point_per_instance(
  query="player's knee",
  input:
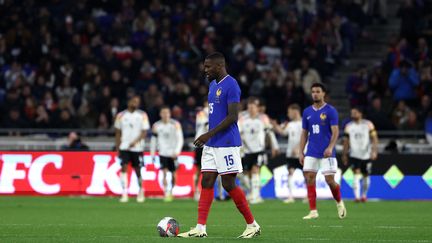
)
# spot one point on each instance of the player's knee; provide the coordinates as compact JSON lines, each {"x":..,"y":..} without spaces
{"x":208,"y":181}
{"x":330,"y":180}
{"x":228,"y":183}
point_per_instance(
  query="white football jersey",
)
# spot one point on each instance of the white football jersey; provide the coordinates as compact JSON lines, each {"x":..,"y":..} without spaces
{"x":359,"y":138}
{"x":131,"y":125}
{"x":253,"y":131}
{"x":167,"y":137}
{"x":293,"y":130}
{"x":201,"y":122}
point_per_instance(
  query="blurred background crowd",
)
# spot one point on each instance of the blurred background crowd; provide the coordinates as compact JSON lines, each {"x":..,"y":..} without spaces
{"x":73,"y":64}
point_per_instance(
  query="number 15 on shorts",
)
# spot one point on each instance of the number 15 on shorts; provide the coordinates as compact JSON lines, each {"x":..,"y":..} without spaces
{"x":229,"y":160}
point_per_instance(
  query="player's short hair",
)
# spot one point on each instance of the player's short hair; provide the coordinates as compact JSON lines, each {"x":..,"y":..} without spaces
{"x":217,"y":56}
{"x":319,"y":85}
{"x":358,"y":108}
{"x":165,"y":107}
{"x":294,"y":107}
{"x":253,"y":100}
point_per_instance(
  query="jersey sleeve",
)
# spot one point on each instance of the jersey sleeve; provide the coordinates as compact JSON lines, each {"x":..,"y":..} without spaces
{"x":234,"y":93}
{"x":117,"y":122}
{"x":145,"y":122}
{"x":334,"y":117}
{"x":305,"y":122}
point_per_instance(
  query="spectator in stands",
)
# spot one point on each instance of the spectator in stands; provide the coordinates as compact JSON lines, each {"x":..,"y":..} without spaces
{"x":401,"y":115}
{"x":379,"y":116}
{"x":357,"y":87}
{"x":74,"y":143}
{"x":305,"y":76}
{"x":403,"y":82}
{"x":428,"y":128}
{"x":426,"y":77}
{"x":97,"y":52}
{"x":14,"y":119}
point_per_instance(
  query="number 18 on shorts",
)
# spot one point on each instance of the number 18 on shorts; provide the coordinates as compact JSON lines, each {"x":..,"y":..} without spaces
{"x":223,"y":160}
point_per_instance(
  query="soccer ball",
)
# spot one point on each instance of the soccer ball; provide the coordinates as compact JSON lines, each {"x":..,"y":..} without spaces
{"x":168,"y":227}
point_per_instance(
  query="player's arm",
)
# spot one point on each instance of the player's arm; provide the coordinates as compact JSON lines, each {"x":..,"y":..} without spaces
{"x":281,"y":130}
{"x":232,"y":117}
{"x":179,"y":139}
{"x":334,"y":123}
{"x":118,"y":132}
{"x":153,"y":142}
{"x":303,"y":138}
{"x":274,"y":145}
{"x":335,"y":134}
{"x":117,"y":139}
{"x":345,"y":147}
{"x":374,"y":138}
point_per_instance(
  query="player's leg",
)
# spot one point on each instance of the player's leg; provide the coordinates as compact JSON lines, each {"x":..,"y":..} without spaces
{"x":239,"y":198}
{"x":221,"y":195}
{"x":208,"y":178}
{"x":124,"y":160}
{"x":168,"y":189}
{"x":366,"y":170}
{"x":137,"y":163}
{"x":291,"y":170}
{"x":329,"y":168}
{"x":357,"y":178}
{"x":255,"y":184}
{"x":310,"y":168}
{"x":244,"y":177}
{"x":198,"y":155}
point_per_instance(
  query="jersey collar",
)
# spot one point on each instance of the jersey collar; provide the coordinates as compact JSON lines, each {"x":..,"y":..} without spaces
{"x":221,"y":79}
{"x":315,"y":109}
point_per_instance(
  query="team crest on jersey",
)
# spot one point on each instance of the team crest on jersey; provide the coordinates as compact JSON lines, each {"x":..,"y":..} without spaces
{"x":218,"y":94}
{"x":323,"y":116}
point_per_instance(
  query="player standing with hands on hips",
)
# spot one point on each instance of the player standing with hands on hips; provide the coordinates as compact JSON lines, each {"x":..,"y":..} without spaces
{"x":221,"y":152}
{"x":321,"y":131}
{"x":131,"y":127}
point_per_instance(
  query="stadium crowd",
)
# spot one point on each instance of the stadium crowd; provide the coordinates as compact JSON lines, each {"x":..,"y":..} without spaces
{"x":397,"y":92}
{"x":73,"y":64}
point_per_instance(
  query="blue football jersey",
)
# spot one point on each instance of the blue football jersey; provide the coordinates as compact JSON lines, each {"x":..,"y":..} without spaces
{"x":220,"y":95}
{"x":318,"y":123}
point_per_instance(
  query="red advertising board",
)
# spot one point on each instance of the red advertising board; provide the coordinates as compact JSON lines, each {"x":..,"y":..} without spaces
{"x":85,"y":173}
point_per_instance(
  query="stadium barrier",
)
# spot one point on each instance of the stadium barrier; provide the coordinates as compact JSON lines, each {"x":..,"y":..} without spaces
{"x":395,"y":176}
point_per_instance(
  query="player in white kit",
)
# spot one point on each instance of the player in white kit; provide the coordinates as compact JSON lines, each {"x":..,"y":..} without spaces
{"x":131,"y":127}
{"x":361,"y":142}
{"x":292,"y":130}
{"x":167,"y":137}
{"x":254,"y":128}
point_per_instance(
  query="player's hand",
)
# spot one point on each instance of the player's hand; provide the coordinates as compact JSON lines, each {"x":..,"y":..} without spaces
{"x":374,"y":156}
{"x":132,"y":144}
{"x":301,"y":158}
{"x":174,"y":157}
{"x":201,"y":140}
{"x":345,"y":159}
{"x":328,"y":152}
{"x":274,"y":153}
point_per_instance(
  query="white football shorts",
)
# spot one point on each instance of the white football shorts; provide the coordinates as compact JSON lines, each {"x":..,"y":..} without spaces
{"x":223,"y":160}
{"x":328,"y":166}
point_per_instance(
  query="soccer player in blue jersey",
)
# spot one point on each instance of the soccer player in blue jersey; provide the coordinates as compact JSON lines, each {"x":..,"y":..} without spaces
{"x":221,"y":152}
{"x":320,"y":131}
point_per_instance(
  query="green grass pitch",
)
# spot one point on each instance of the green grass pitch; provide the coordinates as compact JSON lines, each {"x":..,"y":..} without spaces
{"x":102,"y":219}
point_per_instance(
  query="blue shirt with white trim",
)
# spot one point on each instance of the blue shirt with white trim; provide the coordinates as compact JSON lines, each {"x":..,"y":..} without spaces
{"x":318,"y":123}
{"x":221,"y":94}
